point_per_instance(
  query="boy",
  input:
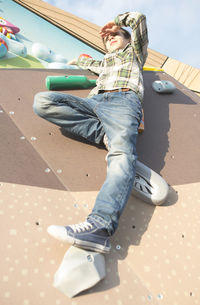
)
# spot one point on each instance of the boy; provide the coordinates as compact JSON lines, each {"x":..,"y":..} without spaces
{"x":112,"y":111}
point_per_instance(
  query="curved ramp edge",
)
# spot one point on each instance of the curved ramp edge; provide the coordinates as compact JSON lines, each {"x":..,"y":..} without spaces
{"x":154,"y":257}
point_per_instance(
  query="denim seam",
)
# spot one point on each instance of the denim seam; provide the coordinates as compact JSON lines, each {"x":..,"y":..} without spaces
{"x":124,"y":189}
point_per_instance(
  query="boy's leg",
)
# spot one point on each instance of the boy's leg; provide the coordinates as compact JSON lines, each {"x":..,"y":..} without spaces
{"x":120,"y":117}
{"x":77,"y":116}
{"x":72,"y":113}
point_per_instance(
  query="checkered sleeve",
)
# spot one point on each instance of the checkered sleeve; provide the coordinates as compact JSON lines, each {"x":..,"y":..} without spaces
{"x":139,"y":36}
{"x":90,"y":64}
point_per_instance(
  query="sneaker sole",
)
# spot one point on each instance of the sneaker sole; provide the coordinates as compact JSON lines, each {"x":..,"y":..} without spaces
{"x":90,"y":246}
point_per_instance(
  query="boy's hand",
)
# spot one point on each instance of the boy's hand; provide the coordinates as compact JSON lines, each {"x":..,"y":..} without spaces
{"x":73,"y":61}
{"x":109,"y":28}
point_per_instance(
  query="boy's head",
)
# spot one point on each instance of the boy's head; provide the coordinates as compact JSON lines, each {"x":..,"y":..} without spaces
{"x":117,"y":40}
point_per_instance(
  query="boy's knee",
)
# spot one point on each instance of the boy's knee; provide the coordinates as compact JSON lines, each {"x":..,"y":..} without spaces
{"x":40,"y":103}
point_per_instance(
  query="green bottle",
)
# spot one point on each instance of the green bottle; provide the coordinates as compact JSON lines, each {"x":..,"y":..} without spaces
{"x":68,"y":82}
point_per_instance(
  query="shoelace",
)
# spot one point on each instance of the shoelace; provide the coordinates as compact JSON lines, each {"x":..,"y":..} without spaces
{"x":81,"y":227}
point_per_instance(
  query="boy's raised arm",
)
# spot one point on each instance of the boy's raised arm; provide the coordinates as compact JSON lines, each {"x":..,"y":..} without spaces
{"x":139,"y":36}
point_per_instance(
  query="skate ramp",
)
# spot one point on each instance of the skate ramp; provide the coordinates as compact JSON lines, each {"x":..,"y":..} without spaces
{"x":49,"y":177}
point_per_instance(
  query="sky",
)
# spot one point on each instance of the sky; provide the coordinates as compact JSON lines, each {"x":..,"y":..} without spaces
{"x":173,"y":25}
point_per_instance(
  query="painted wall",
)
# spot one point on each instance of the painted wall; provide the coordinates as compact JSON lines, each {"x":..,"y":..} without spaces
{"x":38,"y":44}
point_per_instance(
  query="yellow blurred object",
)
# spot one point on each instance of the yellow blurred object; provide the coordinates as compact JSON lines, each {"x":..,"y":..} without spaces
{"x":145,"y":68}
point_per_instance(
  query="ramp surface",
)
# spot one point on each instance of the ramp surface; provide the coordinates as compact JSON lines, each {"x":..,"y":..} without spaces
{"x":49,"y":178}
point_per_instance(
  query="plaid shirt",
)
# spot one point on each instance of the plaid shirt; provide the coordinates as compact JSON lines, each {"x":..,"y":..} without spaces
{"x":122,"y":68}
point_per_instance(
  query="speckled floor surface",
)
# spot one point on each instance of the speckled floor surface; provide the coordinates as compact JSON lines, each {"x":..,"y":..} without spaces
{"x":48,"y":178}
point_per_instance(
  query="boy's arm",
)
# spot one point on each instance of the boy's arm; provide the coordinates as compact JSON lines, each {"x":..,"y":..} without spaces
{"x":139,"y":36}
{"x":87,"y":63}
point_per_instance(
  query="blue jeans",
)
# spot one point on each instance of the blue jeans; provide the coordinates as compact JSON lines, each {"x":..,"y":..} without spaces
{"x":115,"y":114}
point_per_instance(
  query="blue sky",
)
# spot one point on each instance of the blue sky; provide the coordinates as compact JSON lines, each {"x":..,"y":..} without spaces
{"x":174,"y":25}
